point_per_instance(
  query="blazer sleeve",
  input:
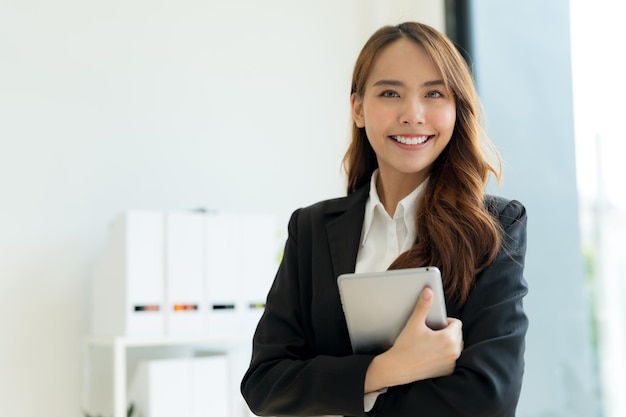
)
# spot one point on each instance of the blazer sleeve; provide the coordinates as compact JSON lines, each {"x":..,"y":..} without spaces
{"x":488,"y":375}
{"x":285,"y":376}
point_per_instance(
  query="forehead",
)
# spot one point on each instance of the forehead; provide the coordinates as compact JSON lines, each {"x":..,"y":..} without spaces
{"x":404,"y":60}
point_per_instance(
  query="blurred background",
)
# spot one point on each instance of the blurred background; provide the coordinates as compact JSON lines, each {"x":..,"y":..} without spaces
{"x":243,"y":105}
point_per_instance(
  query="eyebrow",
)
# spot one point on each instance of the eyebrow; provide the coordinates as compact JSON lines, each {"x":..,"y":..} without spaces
{"x":396,"y":83}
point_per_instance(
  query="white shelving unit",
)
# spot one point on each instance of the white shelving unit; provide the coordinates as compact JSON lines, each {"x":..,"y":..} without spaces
{"x":236,"y":347}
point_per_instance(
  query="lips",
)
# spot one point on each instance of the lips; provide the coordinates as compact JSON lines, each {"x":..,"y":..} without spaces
{"x":411,"y":140}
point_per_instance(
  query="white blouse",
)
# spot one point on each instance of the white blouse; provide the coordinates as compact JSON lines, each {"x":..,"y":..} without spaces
{"x":384,"y":238}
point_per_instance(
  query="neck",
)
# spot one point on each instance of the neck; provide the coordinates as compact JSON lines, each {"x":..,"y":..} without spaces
{"x":392,"y":190}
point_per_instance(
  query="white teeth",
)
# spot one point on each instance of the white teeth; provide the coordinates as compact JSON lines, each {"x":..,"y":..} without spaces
{"x":410,"y":141}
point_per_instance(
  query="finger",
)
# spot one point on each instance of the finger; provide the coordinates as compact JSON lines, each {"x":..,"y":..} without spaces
{"x":455,"y":323}
{"x":422,"y":306}
{"x":455,"y":326}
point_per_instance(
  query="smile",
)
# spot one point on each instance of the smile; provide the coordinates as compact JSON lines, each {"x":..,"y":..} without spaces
{"x":413,"y":140}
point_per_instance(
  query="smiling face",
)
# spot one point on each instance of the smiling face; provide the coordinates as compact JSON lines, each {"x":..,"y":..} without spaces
{"x":407,"y":112}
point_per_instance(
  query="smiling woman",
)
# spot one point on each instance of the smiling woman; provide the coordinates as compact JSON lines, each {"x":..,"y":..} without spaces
{"x":416,"y":177}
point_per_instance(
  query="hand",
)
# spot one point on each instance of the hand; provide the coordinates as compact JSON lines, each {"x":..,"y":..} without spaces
{"x":418,"y":352}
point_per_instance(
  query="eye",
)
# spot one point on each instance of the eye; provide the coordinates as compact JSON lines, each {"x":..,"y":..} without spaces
{"x":434,"y":94}
{"x":389,"y":93}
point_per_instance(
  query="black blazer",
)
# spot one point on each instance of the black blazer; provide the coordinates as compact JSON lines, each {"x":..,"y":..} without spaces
{"x":302,"y":362}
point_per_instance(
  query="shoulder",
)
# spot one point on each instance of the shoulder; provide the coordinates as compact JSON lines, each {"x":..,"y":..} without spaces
{"x":505,"y":210}
{"x":511,"y":214}
{"x":332,"y":207}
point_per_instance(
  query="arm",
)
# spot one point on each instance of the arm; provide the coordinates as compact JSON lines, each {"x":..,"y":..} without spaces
{"x":488,"y":374}
{"x":291,"y":372}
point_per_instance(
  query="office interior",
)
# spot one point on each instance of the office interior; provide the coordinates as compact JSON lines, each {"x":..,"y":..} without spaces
{"x":243,"y":106}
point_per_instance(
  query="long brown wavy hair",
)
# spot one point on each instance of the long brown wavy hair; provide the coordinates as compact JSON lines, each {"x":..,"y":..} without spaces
{"x":455,"y":231}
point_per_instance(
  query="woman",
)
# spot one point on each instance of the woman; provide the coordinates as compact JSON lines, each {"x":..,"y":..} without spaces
{"x":416,"y":176}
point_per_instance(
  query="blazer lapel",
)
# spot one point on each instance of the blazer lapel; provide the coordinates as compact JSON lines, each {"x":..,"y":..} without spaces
{"x":344,"y":230}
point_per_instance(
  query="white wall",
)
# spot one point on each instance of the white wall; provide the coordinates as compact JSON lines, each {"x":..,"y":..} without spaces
{"x":108,"y":105}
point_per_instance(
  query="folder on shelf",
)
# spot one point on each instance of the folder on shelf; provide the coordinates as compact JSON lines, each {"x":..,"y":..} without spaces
{"x":184,"y":273}
{"x":211,"y":386}
{"x":182,"y":387}
{"x":258,"y":266}
{"x":223,"y":274}
{"x":128,"y":282}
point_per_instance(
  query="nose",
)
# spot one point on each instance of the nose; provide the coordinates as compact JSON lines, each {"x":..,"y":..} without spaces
{"x":412,"y":112}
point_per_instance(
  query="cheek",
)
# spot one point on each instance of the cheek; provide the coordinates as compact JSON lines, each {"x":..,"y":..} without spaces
{"x":446,"y":119}
{"x":378,"y":119}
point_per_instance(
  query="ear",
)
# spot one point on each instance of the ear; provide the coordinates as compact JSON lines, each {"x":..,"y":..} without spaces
{"x":356,"y":102}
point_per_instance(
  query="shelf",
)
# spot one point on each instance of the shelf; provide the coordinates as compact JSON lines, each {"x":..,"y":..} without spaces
{"x":120,"y":344}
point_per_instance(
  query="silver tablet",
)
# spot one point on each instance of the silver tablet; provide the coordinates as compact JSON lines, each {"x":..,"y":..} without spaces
{"x":377,"y":305}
